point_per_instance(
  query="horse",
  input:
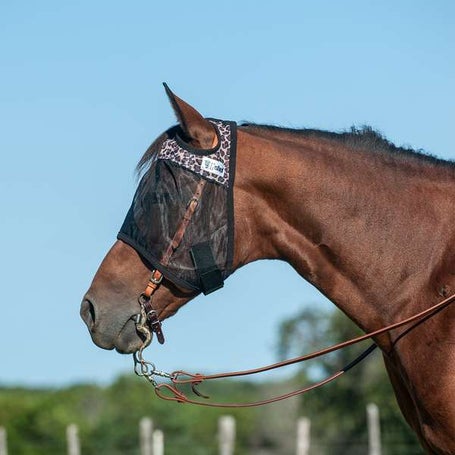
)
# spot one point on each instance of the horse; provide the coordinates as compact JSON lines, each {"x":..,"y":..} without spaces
{"x":369,"y":224}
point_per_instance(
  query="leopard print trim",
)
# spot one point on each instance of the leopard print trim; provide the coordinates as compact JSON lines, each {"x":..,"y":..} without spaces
{"x":213,"y":166}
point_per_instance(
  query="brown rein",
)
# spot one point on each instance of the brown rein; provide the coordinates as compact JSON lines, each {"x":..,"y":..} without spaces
{"x":195,"y":380}
{"x":147,"y":322}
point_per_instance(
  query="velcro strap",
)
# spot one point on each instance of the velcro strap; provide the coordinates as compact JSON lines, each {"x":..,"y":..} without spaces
{"x":209,"y":274}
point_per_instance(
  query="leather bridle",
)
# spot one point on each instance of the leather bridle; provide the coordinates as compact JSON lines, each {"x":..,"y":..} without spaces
{"x":148,"y":317}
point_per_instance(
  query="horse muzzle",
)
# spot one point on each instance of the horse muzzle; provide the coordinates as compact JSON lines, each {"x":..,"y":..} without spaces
{"x":108,"y":331}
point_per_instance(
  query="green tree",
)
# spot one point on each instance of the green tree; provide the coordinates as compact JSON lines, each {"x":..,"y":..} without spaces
{"x":337,"y":410}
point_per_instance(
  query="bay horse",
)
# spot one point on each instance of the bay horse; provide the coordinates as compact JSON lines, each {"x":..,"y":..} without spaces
{"x":369,"y":224}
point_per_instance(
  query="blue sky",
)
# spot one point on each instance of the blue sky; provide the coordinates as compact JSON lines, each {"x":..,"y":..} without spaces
{"x":81,"y":99}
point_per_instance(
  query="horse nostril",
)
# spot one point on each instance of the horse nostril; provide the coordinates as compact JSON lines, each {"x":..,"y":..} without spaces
{"x":88,"y":313}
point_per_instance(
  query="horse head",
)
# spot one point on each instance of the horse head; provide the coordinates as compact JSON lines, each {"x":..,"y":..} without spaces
{"x":191,"y":256}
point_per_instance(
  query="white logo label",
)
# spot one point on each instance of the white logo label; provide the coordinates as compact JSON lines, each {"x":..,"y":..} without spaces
{"x":212,"y":166}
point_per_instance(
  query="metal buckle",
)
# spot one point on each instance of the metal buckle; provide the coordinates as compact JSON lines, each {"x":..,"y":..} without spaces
{"x":156,"y":280}
{"x":143,"y":299}
{"x":194,"y":200}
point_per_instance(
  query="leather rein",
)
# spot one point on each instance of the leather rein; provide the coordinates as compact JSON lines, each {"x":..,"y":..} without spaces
{"x":147,"y":323}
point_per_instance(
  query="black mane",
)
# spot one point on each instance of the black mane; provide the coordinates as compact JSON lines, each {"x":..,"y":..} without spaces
{"x":362,"y":138}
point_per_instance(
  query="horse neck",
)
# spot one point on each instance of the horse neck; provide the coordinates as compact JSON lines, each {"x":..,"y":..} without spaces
{"x":354,"y":224}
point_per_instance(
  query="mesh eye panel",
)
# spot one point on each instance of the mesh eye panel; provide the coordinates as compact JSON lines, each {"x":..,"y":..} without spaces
{"x":161,"y":200}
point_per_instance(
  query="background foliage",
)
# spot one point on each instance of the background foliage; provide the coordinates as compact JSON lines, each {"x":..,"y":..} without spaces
{"x":108,"y":417}
{"x":338,"y":409}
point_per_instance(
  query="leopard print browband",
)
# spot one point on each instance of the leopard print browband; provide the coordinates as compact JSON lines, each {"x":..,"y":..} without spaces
{"x":211,"y":164}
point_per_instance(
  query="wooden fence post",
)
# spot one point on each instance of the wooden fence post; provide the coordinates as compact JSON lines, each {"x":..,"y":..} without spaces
{"x":145,"y":436}
{"x":226,"y":435}
{"x":374,"y":430}
{"x":303,"y":436}
{"x":72,"y":440}
{"x":3,"y":444}
{"x":158,"y":442}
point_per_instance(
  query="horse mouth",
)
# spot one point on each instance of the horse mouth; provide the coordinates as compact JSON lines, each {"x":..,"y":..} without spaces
{"x":128,"y":340}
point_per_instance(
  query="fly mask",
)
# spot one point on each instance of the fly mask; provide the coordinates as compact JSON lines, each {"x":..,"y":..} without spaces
{"x":202,"y":259}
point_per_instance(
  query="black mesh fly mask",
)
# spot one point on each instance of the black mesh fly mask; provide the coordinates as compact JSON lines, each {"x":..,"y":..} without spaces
{"x":177,"y":171}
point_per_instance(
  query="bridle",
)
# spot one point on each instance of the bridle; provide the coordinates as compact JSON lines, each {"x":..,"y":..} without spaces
{"x":148,"y":322}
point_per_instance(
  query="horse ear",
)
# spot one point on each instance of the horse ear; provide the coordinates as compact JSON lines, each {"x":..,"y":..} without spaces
{"x":200,"y":132}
